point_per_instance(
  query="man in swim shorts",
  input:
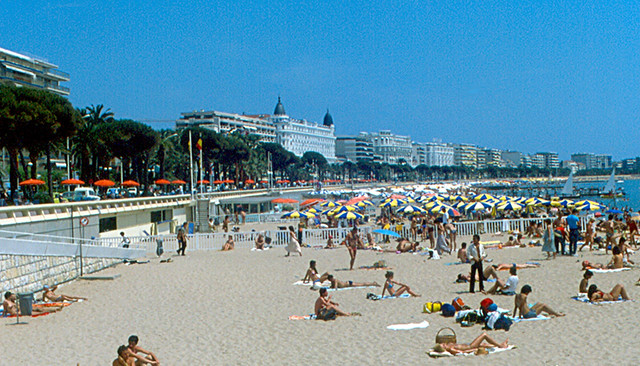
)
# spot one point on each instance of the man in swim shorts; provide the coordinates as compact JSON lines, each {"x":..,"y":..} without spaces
{"x":528,"y":311}
{"x":324,"y":304}
{"x":351,"y":242}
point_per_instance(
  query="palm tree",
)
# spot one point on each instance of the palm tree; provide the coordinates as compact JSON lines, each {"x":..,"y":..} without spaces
{"x":86,"y":145}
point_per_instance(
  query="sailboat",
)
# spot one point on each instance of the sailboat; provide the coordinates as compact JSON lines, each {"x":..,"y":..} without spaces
{"x":610,"y":190}
{"x":567,"y":190}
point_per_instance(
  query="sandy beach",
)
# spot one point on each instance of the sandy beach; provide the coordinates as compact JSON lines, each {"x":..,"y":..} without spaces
{"x":232,"y":308}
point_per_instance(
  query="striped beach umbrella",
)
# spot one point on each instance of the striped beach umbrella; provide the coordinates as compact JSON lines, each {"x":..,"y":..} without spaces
{"x":410,"y":209}
{"x":510,"y":206}
{"x":589,"y":206}
{"x":448,"y":209}
{"x":392,"y":203}
{"x":329,"y":204}
{"x":482,"y":197}
{"x":364,"y":203}
{"x":297,"y":214}
{"x":477,"y":206}
{"x":349,"y":215}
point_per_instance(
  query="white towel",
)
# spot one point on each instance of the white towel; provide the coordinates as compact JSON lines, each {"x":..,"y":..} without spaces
{"x":420,"y":325}
{"x":490,"y":350}
{"x":349,"y":288}
{"x":602,"y":270}
{"x":311,"y":283}
{"x":539,"y":317}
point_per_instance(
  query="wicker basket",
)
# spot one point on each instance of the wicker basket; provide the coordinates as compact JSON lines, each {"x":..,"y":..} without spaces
{"x":446,"y":338}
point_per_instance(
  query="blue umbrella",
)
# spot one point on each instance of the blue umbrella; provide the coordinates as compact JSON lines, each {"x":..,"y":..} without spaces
{"x":386,"y":232}
{"x":614,"y":211}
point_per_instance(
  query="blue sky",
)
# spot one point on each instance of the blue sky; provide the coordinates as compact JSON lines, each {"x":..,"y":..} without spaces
{"x":527,"y":76}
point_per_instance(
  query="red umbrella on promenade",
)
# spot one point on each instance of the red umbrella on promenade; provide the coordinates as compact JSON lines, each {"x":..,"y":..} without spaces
{"x":163,"y":182}
{"x":130,"y":183}
{"x":178,"y":181}
{"x":72,"y":182}
{"x":204,"y":181}
{"x":104,"y":183}
{"x":32,"y":182}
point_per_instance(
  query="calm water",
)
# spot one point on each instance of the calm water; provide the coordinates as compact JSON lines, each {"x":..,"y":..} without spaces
{"x":631,"y":187}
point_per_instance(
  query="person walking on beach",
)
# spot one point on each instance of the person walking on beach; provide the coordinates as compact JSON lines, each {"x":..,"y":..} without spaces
{"x":125,"y":241}
{"x":294,"y":245}
{"x":476,"y":256}
{"x":574,"y":231}
{"x":547,"y":239}
{"x":589,"y":234}
{"x":182,"y":239}
{"x":351,"y":241}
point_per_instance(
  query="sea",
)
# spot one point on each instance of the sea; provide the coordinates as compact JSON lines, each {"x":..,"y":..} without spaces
{"x":631,"y":188}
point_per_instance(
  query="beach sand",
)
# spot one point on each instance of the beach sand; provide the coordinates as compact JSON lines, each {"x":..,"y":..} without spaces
{"x":232,"y":308}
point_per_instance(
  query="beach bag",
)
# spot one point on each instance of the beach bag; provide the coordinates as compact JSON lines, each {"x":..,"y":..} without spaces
{"x":431,"y":307}
{"x":327,"y":314}
{"x":503,"y":323}
{"x":484,"y":304}
{"x":448,"y":310}
{"x":446,"y":338}
{"x":458,"y":304}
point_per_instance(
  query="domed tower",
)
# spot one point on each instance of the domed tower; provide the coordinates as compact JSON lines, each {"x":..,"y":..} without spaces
{"x":279,"y":111}
{"x":328,"y":120}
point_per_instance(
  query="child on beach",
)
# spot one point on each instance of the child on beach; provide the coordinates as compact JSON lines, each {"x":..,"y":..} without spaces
{"x":402,"y":288}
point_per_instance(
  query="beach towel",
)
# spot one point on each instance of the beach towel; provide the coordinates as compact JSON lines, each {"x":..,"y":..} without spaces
{"x":455,"y":263}
{"x":539,"y":317}
{"x":602,"y":270}
{"x":303,"y":317}
{"x":409,"y":326}
{"x":259,"y":250}
{"x":349,"y":288}
{"x":435,"y":354}
{"x":372,"y":268}
{"x":390,"y":297}
{"x":311,"y":283}
{"x":583,"y":298}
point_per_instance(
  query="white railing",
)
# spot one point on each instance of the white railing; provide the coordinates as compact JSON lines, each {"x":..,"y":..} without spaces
{"x":315,"y":237}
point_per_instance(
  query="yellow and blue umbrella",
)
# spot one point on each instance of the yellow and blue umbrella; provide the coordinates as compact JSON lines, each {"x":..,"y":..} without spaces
{"x":298,"y":214}
{"x":349,"y":215}
{"x":477,"y":206}
{"x":510,"y":205}
{"x":410,"y":209}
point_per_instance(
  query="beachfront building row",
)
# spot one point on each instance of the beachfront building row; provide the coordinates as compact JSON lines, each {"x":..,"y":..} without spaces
{"x":295,"y":135}
{"x":593,"y":161}
{"x":432,"y":154}
{"x":31,"y":72}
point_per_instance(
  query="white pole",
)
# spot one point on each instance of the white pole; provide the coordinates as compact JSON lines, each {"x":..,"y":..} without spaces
{"x":201,"y":173}
{"x":190,"y":164}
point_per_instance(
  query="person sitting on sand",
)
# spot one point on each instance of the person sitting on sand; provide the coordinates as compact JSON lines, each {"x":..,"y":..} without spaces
{"x":506,"y":288}
{"x":462,"y":253}
{"x":456,"y":348}
{"x":260,"y":242}
{"x":510,"y":242}
{"x":324,"y":304}
{"x":124,"y":357}
{"x":370,"y":240}
{"x":617,"y":261}
{"x":402,"y":288}
{"x":624,"y":249}
{"x":9,"y":306}
{"x":530,"y":311}
{"x":48,"y":294}
{"x":518,"y":242}
{"x":312,"y":274}
{"x":330,"y":244}
{"x":584,"y":283}
{"x":596,"y":295}
{"x":229,"y":244}
{"x":336,"y":283}
{"x":148,"y":358}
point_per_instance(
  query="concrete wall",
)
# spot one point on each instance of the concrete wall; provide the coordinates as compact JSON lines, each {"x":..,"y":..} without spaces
{"x":29,"y":273}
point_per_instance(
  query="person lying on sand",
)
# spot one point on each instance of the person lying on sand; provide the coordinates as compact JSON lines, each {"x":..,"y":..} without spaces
{"x":336,"y":283}
{"x":329,"y":243}
{"x":488,"y":272}
{"x":596,"y":295}
{"x":148,"y":358}
{"x":584,"y":283}
{"x":48,"y":294}
{"x":312,"y":274}
{"x":405,"y":246}
{"x":9,"y":306}
{"x":324,"y":304}
{"x":229,"y":245}
{"x":479,"y":342}
{"x":402,"y":288}
{"x":530,"y":311}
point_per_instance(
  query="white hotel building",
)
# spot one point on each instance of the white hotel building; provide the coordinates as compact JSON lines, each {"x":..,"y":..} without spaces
{"x":21,"y":70}
{"x":297,"y":136}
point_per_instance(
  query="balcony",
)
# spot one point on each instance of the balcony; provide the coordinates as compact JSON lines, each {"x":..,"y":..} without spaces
{"x":58,"y":89}
{"x":60,"y":75}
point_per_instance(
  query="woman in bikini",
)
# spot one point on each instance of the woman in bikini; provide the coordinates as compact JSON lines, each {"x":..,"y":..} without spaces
{"x":590,"y":234}
{"x":596,"y":295}
{"x":455,"y":348}
{"x":312,"y":274}
{"x":402,"y":288}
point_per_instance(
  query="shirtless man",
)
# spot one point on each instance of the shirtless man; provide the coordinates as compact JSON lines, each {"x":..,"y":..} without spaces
{"x":324,"y":304}
{"x":456,"y":348}
{"x":589,"y":234}
{"x":148,"y":359}
{"x":336,"y":283}
{"x":584,"y":283}
{"x":462,"y":253}
{"x":124,"y":357}
{"x":405,"y":246}
{"x":617,"y":261}
{"x":229,"y":245}
{"x":533,"y":311}
{"x":352,"y":241}
{"x":9,"y":306}
{"x":48,"y":294}
{"x":609,"y":228}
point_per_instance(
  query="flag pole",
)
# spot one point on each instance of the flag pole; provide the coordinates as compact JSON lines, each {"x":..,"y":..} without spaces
{"x":190,"y":164}
{"x":201,"y":172}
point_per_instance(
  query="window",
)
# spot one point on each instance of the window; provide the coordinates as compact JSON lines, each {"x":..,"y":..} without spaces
{"x":107,"y":224}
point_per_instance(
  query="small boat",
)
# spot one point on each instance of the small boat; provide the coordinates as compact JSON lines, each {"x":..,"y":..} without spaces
{"x":567,"y":190}
{"x":610,"y":190}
